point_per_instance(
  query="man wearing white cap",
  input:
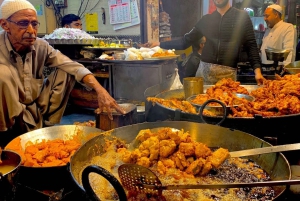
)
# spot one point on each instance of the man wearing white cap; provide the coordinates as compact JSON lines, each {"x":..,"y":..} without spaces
{"x":279,"y":35}
{"x":28,"y":101}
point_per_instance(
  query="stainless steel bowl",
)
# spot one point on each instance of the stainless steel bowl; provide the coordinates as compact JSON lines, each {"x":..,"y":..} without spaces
{"x":276,"y":55}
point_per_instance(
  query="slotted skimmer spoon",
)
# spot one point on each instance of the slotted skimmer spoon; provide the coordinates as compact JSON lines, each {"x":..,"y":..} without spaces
{"x":138,"y":178}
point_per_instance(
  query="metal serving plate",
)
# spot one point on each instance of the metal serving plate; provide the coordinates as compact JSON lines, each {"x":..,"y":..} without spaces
{"x":179,"y":94}
{"x":214,"y":107}
{"x":162,"y":58}
{"x":127,"y":107}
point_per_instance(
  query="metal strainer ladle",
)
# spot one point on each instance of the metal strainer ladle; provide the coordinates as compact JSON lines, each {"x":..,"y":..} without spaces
{"x":138,"y":178}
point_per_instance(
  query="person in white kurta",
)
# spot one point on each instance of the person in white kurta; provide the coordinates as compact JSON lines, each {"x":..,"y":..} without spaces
{"x":279,"y":35}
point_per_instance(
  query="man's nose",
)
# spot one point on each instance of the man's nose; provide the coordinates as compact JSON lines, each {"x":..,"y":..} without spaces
{"x":30,"y":28}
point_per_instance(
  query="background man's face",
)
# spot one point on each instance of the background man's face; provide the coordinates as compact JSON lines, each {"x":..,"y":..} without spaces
{"x":270,"y":17}
{"x":221,"y":3}
{"x":75,"y":24}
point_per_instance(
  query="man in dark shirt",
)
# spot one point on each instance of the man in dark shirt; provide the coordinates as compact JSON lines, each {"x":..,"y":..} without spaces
{"x":226,"y":30}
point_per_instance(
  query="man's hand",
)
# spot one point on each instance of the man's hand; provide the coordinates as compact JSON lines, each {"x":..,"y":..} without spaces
{"x":105,"y":101}
{"x":259,"y":77}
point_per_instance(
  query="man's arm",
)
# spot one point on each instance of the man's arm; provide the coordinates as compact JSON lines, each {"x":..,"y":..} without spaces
{"x":252,"y":49}
{"x":105,"y":101}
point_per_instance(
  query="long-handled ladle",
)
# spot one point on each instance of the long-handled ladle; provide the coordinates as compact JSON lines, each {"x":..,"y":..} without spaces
{"x":138,"y":178}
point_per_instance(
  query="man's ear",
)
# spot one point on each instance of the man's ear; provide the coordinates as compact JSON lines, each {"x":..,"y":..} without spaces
{"x":4,"y":25}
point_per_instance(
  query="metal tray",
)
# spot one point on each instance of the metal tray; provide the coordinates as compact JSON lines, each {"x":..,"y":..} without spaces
{"x":247,"y":97}
{"x":127,"y":107}
{"x":105,"y":48}
{"x":162,"y":58}
{"x":129,"y":61}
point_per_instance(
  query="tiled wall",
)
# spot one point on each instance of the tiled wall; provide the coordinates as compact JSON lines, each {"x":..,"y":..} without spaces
{"x":103,"y":29}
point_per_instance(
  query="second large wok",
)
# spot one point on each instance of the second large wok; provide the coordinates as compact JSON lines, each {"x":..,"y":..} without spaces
{"x":275,"y":126}
{"x":214,"y":136}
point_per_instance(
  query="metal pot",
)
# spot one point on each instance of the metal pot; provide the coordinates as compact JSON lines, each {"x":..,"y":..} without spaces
{"x":12,"y":159}
{"x":57,"y":177}
{"x":7,"y":180}
{"x":214,"y":136}
{"x":276,"y":55}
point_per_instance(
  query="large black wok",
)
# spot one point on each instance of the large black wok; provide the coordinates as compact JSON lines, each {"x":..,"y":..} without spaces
{"x":51,"y":178}
{"x":214,"y":136}
{"x":282,"y":127}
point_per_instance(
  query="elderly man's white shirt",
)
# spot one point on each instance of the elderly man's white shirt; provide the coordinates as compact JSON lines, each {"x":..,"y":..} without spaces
{"x":282,"y":36}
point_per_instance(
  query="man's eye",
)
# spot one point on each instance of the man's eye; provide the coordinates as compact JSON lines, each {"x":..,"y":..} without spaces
{"x":34,"y":23}
{"x":23,"y":23}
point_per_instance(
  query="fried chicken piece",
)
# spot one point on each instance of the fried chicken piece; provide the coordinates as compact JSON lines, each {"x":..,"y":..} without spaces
{"x":168,"y":162}
{"x":180,"y":160}
{"x":206,"y":167}
{"x":163,"y":134}
{"x":184,"y":137}
{"x":175,"y":137}
{"x":153,"y":148}
{"x":41,"y":145}
{"x":50,"y":158}
{"x":218,"y":157}
{"x":134,"y":156}
{"x":161,"y":168}
{"x":201,"y":150}
{"x":166,"y":148}
{"x":144,"y":135}
{"x":187,"y":149}
{"x":150,"y":147}
{"x":40,"y":155}
{"x":31,"y":149}
{"x":195,"y":167}
{"x":29,"y":161}
{"x":143,"y":161}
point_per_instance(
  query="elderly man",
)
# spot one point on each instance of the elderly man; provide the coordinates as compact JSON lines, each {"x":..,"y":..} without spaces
{"x":71,"y":21}
{"x":28,"y":101}
{"x":279,"y":35}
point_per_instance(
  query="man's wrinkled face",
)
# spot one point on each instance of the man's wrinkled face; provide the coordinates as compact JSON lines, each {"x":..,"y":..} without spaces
{"x":75,"y":25}
{"x":221,"y":3}
{"x":271,"y":17}
{"x":20,"y":34}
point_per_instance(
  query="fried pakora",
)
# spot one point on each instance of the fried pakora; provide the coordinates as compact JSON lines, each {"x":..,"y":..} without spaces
{"x":169,"y":148}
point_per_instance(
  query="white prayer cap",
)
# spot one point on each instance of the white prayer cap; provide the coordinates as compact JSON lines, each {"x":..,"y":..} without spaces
{"x":276,"y":7}
{"x":9,"y":7}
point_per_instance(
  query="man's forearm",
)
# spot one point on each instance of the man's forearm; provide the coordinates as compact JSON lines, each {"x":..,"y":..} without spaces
{"x":91,"y":81}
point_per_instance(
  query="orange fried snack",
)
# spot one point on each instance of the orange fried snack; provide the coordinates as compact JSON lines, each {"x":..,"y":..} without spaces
{"x":183,"y":105}
{"x":50,"y":153}
{"x":163,"y":54}
{"x":46,"y":153}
